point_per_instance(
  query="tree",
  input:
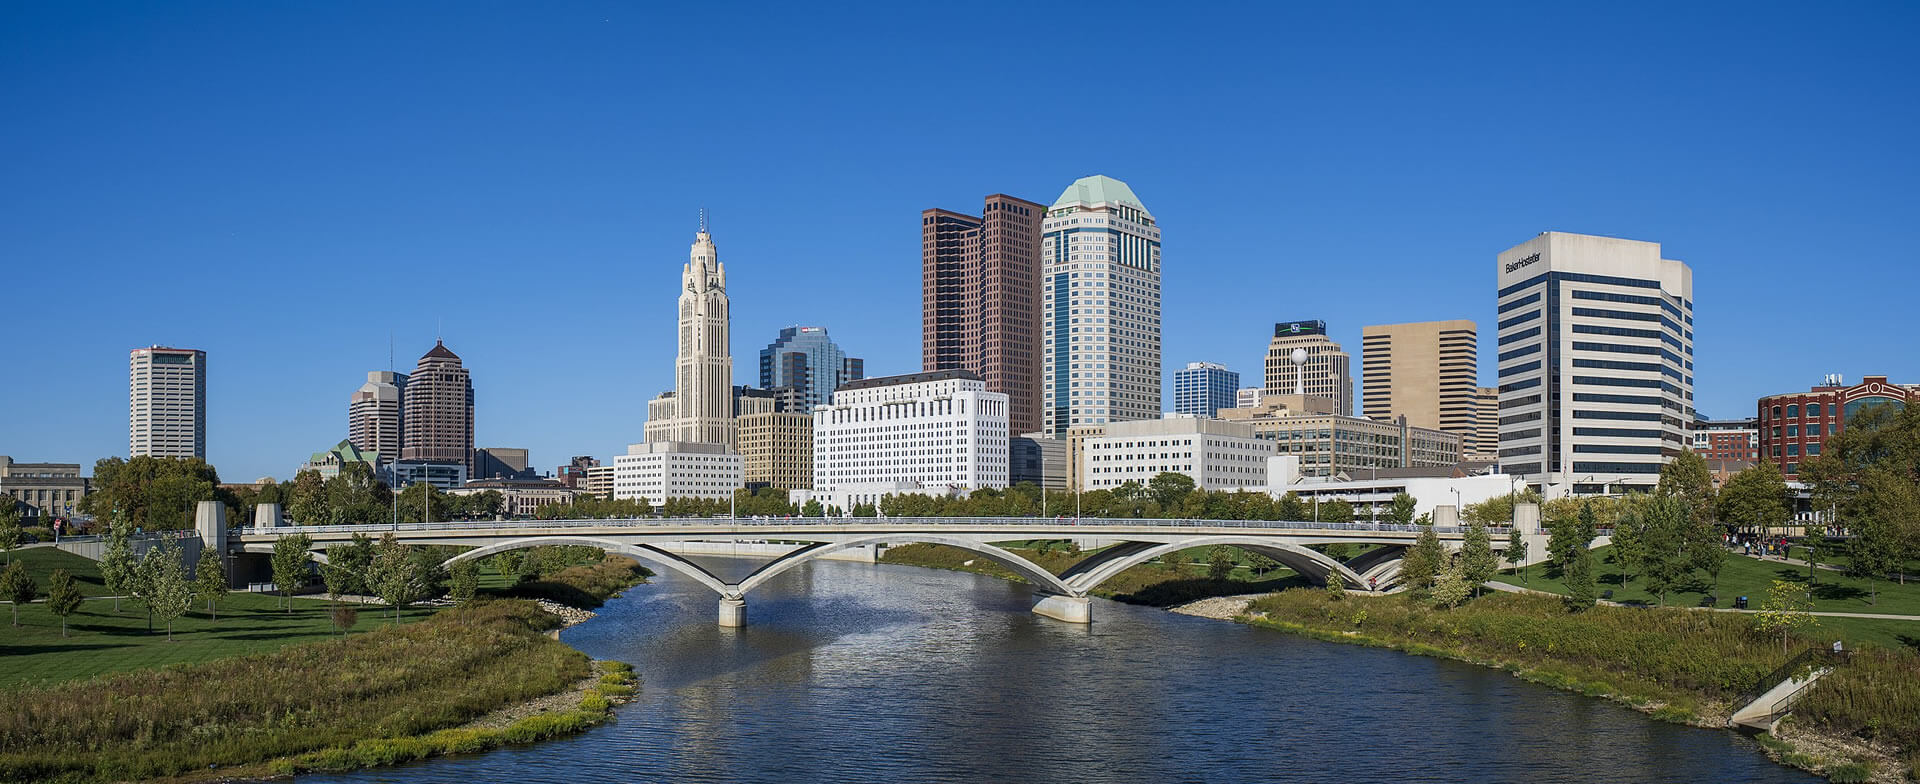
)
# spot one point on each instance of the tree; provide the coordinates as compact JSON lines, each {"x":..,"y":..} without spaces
{"x":290,"y":560}
{"x":338,"y":581}
{"x":1517,"y":550}
{"x":1336,"y":587}
{"x":1336,"y":511}
{"x":1450,"y":587}
{"x":1629,"y":544}
{"x":151,"y":492}
{"x":352,"y":558}
{"x":394,"y":577}
{"x":1787,"y":608}
{"x":307,"y":502}
{"x":1875,"y":552}
{"x":169,"y":594}
{"x":1291,"y":508}
{"x":465,"y":580}
{"x":422,"y":502}
{"x":813,"y":509}
{"x":145,"y":577}
{"x":1169,"y":488}
{"x":1219,"y":562}
{"x":356,"y":496}
{"x":1423,"y":561}
{"x":1668,"y":553}
{"x":508,"y":564}
{"x":1401,"y":511}
{"x":117,"y":565}
{"x":1815,"y":548}
{"x":1260,"y":564}
{"x":18,"y":587}
{"x":209,"y":581}
{"x":1755,"y":498}
{"x":63,"y":597}
{"x":9,"y":526}
{"x":1688,"y":479}
{"x":1580,"y":587}
{"x":1477,"y":564}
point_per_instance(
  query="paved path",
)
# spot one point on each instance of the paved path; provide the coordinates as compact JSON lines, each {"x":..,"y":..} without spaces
{"x":1499,"y":586}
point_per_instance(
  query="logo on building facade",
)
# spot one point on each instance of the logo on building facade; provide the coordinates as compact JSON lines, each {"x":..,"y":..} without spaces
{"x":1511,"y":266}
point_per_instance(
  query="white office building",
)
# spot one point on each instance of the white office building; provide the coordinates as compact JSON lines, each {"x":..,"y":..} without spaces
{"x":167,"y":402}
{"x":1100,"y":305}
{"x":1217,"y":454}
{"x":659,"y":470}
{"x":1595,"y":362}
{"x":939,"y":432}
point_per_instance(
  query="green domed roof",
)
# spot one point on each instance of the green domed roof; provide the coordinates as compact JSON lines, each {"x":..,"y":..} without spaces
{"x":1096,"y":190}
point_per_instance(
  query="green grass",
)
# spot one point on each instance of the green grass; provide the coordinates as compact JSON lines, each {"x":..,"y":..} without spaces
{"x":102,"y":641}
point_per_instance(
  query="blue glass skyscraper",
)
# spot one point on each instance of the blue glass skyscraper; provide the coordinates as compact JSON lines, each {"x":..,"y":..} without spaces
{"x":1203,"y":388}
{"x":807,"y":360}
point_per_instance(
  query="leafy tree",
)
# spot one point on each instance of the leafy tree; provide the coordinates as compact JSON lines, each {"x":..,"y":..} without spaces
{"x":1336,"y":587}
{"x":338,"y":581}
{"x":357,"y":497}
{"x":1629,"y":544}
{"x":352,"y":558}
{"x":1517,"y":550}
{"x":9,"y":526}
{"x":864,"y":510}
{"x":1787,"y":608}
{"x":1581,"y":593}
{"x":18,"y":587}
{"x":1875,"y":552}
{"x":1291,"y":508}
{"x":1477,"y":564}
{"x":1260,"y":564}
{"x":1169,"y":488}
{"x":813,"y":509}
{"x":290,"y":560}
{"x":145,"y":575}
{"x":395,"y":577}
{"x":151,"y":492}
{"x":508,"y":563}
{"x":1668,"y":553}
{"x":209,"y":581}
{"x":169,"y":594}
{"x":63,"y":597}
{"x":422,"y":502}
{"x":1401,"y":511}
{"x":1336,"y":511}
{"x":1423,"y":560}
{"x":1498,"y":510}
{"x":1561,"y":536}
{"x":1755,"y":498}
{"x":1687,"y":479}
{"x":1219,"y":563}
{"x":464,"y":581}
{"x":308,"y":500}
{"x":117,"y":565}
{"x":1450,"y":587}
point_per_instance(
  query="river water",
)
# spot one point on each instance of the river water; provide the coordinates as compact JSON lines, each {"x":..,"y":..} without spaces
{"x":878,"y":673}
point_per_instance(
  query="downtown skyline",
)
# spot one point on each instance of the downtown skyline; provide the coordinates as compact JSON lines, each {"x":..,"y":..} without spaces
{"x":548,"y":276}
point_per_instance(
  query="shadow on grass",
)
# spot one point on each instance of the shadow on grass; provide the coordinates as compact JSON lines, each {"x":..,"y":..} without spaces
{"x":22,"y":650}
{"x":1832,"y":592}
{"x":1174,"y":592}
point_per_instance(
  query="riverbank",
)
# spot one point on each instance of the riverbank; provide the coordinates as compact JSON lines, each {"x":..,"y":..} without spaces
{"x":1678,"y":666}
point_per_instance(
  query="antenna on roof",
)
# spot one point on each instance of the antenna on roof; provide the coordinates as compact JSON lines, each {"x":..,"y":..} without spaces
{"x":703,"y":220}
{"x":389,"y":349}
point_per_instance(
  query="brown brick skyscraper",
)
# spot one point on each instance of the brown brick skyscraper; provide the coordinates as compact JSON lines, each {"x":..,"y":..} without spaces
{"x":980,"y":299}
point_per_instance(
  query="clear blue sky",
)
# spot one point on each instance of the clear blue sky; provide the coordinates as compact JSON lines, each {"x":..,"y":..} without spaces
{"x":284,"y":184}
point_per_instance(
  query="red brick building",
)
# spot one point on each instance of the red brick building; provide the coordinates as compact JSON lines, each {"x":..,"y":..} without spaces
{"x":1727,"y":439}
{"x":1795,"y":424}
{"x":980,"y":300}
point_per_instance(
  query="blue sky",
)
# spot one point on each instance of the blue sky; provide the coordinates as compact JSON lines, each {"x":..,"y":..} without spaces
{"x":286,"y":184}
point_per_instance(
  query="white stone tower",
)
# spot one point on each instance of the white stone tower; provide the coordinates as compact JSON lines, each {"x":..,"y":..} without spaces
{"x":700,"y":407}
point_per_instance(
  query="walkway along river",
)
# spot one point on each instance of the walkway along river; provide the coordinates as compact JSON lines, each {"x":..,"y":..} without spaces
{"x":883,"y":673}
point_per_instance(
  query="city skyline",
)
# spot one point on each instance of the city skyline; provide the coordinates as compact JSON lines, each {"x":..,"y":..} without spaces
{"x":1435,"y":201}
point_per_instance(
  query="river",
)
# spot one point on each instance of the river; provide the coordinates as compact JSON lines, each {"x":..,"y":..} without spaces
{"x":878,"y":673}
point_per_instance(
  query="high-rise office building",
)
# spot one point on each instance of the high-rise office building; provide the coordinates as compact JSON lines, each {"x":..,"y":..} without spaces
{"x":700,"y":407}
{"x":1203,"y":388}
{"x":1484,"y":446}
{"x":1427,"y":372}
{"x":375,"y":414}
{"x":1596,"y":361}
{"x":1100,"y":297}
{"x":807,"y":360}
{"x":979,"y":294}
{"x":1327,"y":373}
{"x":437,"y":411}
{"x":777,"y":447}
{"x":932,"y":433}
{"x":167,"y":402}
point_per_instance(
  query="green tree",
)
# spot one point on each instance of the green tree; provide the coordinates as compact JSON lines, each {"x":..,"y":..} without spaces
{"x":117,"y":565}
{"x":170,"y":593}
{"x":508,"y":564}
{"x":1219,"y":562}
{"x":338,"y":580}
{"x":1517,"y":550}
{"x":209,"y":581}
{"x":1336,"y":511}
{"x":1581,"y":593}
{"x":1291,"y":508}
{"x":1423,"y":560}
{"x":18,"y":587}
{"x":352,"y":558}
{"x":422,"y":502}
{"x":151,"y":493}
{"x":289,"y":561}
{"x":1336,"y":587}
{"x":1477,"y":563}
{"x":63,"y":597}
{"x":1401,"y":511}
{"x":1755,"y":498}
{"x":464,"y":581}
{"x":1260,"y":564}
{"x":145,"y":575}
{"x":308,"y":500}
{"x":1875,"y":551}
{"x":1668,"y":553}
{"x":1687,"y":478}
{"x":1787,"y":608}
{"x":357,"y":497}
{"x":9,"y":526}
{"x":395,"y":577}
{"x":1629,"y":544}
{"x":1450,"y":586}
{"x":1169,"y":488}
{"x":813,"y":509}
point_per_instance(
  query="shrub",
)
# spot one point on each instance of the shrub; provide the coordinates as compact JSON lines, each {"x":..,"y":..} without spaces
{"x":1850,"y":773}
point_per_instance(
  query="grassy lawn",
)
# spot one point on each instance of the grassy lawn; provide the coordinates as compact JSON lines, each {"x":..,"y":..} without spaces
{"x":102,"y":641}
{"x":1750,"y":577}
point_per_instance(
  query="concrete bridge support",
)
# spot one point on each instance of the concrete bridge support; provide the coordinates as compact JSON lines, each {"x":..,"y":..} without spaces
{"x":733,"y":611}
{"x":1071,"y":609}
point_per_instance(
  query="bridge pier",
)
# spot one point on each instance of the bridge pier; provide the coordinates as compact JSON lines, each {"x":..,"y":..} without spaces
{"x":1071,"y":609}
{"x":733,"y":611}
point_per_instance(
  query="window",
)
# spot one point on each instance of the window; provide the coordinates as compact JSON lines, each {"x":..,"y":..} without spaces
{"x":1793,"y":412}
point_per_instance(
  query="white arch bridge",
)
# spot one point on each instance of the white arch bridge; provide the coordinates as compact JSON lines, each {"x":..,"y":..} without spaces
{"x":1063,"y":596}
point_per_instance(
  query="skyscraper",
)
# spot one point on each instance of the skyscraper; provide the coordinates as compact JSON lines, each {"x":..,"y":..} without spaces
{"x":437,"y":410}
{"x":700,"y":407}
{"x":1484,"y":446}
{"x":979,"y":289}
{"x":1101,"y":300}
{"x":1327,"y":368}
{"x":807,"y":360}
{"x":1427,"y":372}
{"x":167,"y":402}
{"x":1203,"y":388}
{"x":1596,"y":361}
{"x":375,"y":414}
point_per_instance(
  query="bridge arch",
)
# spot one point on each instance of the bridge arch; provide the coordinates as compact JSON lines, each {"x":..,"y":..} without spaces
{"x":1312,"y":564}
{"x":318,"y":554}
{"x":1039,"y":577}
{"x":642,"y":552}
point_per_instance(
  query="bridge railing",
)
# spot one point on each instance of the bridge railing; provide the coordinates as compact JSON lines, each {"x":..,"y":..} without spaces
{"x":1052,"y":523}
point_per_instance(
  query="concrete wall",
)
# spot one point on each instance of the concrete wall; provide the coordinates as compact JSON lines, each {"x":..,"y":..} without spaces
{"x":745,"y":549}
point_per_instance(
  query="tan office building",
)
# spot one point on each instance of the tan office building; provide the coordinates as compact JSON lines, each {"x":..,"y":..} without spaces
{"x":1330,"y":444}
{"x":778,"y":447}
{"x":1427,"y":372}
{"x":1485,"y":444}
{"x":1327,"y":372}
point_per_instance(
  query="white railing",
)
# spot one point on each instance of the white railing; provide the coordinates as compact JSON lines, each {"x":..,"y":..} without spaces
{"x":901,"y":523}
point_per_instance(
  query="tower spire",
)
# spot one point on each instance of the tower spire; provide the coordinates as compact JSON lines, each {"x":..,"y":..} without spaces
{"x":703,"y":220}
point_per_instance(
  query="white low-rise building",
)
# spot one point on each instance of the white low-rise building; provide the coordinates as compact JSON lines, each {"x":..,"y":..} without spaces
{"x":1218,"y":455}
{"x":677,"y":469}
{"x":1371,"y":492}
{"x":940,"y":431}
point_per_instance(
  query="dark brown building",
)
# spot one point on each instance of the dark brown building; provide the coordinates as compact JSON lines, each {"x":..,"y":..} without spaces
{"x":980,"y":299}
{"x":438,"y":423}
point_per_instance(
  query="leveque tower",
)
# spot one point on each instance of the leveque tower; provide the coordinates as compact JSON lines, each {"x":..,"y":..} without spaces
{"x":700,"y":407}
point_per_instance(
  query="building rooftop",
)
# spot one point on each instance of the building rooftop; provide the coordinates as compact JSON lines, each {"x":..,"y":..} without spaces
{"x":911,"y":378}
{"x":1098,"y":189}
{"x":440,"y":350}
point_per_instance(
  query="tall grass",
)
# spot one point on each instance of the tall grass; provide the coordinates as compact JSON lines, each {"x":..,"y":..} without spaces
{"x":1876,"y":695}
{"x":586,"y":585}
{"x":399,"y":681}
